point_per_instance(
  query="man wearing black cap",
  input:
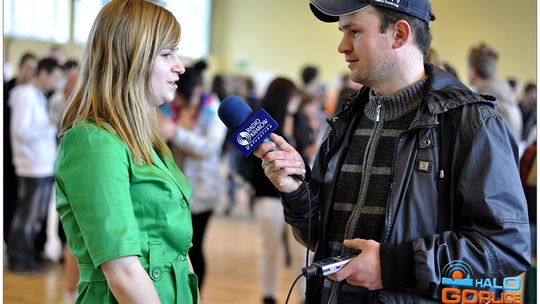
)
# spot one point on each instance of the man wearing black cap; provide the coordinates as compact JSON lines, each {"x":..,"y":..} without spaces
{"x":416,"y":173}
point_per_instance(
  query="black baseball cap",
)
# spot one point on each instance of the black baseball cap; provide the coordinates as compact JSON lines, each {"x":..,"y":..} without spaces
{"x":330,"y":10}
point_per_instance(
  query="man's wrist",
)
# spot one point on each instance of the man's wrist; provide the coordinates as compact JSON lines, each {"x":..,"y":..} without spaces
{"x":289,"y":185}
{"x":289,"y":199}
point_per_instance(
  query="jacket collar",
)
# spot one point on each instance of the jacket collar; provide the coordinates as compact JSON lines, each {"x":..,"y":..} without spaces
{"x":445,"y":92}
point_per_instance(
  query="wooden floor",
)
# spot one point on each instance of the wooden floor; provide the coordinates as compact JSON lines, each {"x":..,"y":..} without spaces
{"x":232,"y":246}
{"x":232,"y":249}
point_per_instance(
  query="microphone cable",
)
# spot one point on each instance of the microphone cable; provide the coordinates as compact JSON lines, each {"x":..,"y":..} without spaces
{"x":292,"y":286}
{"x":304,"y":182}
{"x":309,"y":222}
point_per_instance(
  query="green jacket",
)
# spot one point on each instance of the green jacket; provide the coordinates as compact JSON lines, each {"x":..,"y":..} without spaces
{"x":111,"y":206}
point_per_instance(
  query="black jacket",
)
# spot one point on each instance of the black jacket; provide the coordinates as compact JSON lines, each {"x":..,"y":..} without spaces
{"x":478,"y":216}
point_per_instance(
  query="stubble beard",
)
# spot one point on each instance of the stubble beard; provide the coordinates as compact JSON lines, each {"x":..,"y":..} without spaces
{"x":373,"y":76}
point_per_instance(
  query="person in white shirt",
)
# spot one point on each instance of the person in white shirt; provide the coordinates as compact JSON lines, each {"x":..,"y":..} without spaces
{"x":26,"y":72}
{"x":33,"y":140}
{"x":482,"y":71}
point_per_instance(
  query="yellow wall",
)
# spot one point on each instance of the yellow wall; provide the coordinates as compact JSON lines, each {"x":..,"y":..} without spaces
{"x":507,"y":26}
{"x":15,"y":48}
{"x":280,"y":36}
{"x":277,"y":36}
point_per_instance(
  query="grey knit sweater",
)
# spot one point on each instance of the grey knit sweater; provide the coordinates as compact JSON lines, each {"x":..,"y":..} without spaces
{"x":364,"y":181}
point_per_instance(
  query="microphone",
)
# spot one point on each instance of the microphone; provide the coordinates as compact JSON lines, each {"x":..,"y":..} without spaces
{"x":250,"y":129}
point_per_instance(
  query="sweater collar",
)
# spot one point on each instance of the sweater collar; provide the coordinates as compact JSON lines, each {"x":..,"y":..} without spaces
{"x":397,"y":105}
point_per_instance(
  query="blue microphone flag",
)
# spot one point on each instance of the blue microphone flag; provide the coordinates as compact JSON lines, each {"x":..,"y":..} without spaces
{"x":253,"y":132}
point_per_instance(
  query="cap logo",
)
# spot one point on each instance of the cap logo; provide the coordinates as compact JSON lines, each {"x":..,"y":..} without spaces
{"x":394,"y":3}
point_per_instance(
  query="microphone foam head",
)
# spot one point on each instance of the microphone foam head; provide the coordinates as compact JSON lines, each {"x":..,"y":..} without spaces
{"x":233,"y":111}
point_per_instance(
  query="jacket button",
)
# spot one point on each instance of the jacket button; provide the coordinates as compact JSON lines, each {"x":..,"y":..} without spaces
{"x":427,"y":142}
{"x":156,"y":273}
{"x":183,"y":203}
{"x":181,"y":257}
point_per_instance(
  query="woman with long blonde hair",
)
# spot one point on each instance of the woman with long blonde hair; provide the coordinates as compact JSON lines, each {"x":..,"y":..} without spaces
{"x":121,"y":198}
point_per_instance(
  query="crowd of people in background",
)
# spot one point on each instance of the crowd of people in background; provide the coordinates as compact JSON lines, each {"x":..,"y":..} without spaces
{"x":35,"y":99}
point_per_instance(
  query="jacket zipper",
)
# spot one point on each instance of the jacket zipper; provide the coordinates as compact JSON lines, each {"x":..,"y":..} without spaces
{"x":348,"y":228}
{"x":378,"y":111}
{"x":370,"y":148}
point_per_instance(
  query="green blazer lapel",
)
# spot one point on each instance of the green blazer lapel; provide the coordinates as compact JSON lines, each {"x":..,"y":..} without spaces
{"x":169,"y":167}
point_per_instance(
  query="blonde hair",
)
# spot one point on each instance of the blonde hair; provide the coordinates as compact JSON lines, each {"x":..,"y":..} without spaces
{"x":113,"y":86}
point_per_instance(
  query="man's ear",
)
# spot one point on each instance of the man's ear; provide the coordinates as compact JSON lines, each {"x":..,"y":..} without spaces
{"x":402,"y":33}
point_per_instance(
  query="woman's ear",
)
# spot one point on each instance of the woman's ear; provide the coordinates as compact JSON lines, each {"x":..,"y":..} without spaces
{"x":402,"y":33}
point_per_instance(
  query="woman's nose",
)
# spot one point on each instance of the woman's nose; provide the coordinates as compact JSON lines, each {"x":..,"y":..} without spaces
{"x":178,"y":67}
